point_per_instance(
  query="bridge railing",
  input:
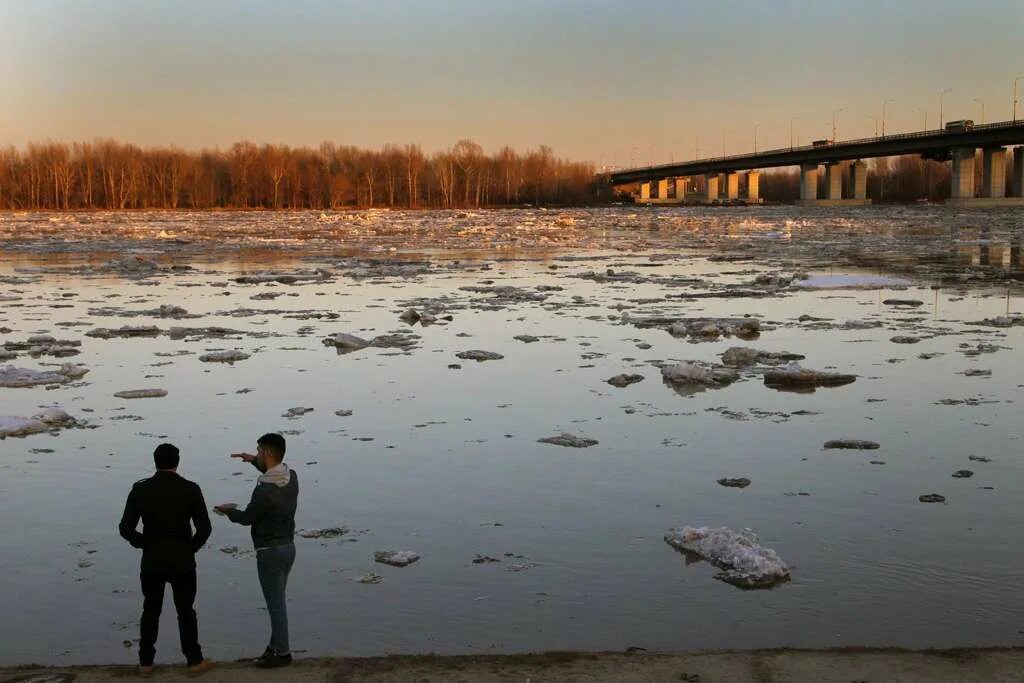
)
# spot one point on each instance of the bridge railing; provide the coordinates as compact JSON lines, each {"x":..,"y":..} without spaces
{"x":834,"y":145}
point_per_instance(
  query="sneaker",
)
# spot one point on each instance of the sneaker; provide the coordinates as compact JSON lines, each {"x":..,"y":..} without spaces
{"x":272,"y":660}
{"x":145,"y":670}
{"x":200,"y":668}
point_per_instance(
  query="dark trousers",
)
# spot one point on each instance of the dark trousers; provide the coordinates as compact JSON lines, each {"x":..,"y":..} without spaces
{"x":183,"y":587}
{"x":273,"y":566}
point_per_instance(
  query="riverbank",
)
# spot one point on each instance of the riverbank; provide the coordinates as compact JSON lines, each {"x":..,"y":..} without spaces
{"x":991,"y":665}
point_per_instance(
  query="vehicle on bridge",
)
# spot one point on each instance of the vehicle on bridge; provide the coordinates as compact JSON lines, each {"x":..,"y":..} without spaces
{"x":961,"y":126}
{"x":821,"y":143}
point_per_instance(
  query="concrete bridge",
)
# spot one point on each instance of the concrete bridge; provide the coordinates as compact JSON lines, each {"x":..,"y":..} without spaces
{"x":844,"y":161}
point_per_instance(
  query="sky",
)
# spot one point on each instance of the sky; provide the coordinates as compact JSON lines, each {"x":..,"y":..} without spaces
{"x":615,"y":83}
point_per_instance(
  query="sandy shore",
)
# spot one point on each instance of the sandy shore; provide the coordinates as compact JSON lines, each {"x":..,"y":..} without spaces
{"x":762,"y":666}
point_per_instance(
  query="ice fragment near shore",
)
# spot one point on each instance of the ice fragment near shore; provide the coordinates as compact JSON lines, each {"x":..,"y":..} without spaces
{"x":479,"y":355}
{"x":11,"y":376}
{"x":141,"y":393}
{"x":49,"y":419}
{"x":400,"y":558}
{"x":796,"y":378}
{"x":346,"y":342}
{"x":569,"y":440}
{"x":852,"y":444}
{"x":229,"y":356}
{"x":744,"y":562}
{"x":691,"y":373}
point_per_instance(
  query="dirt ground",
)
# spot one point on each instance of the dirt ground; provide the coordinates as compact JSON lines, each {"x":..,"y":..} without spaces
{"x":765,"y":666}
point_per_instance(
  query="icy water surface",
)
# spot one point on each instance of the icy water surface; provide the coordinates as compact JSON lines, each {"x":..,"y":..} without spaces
{"x":440,"y":455}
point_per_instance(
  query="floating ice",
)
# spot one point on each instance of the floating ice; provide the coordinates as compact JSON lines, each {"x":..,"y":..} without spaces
{"x":479,"y":356}
{"x":796,"y":378}
{"x":739,"y":356}
{"x":223,"y":356}
{"x":11,"y":376}
{"x":141,"y":393}
{"x":739,"y":554}
{"x":850,"y":282}
{"x":701,"y":375}
{"x":569,"y":440}
{"x":400,"y":558}
{"x":49,"y":419}
{"x":346,"y":342}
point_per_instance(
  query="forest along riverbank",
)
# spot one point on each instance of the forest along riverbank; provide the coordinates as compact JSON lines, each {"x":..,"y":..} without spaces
{"x":572,"y":427}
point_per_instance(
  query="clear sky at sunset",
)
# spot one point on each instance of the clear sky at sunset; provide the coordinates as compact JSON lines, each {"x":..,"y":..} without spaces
{"x":603,"y":81}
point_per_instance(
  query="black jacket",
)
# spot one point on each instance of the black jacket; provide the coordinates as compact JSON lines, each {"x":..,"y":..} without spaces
{"x":166,"y":504}
{"x":271,"y":513}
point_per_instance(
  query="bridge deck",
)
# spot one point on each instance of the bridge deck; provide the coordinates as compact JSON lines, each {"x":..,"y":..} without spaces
{"x":935,"y":142}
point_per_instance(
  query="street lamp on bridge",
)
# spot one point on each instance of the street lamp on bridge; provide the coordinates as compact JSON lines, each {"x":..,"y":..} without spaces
{"x":942,"y":121}
{"x":981,"y":102}
{"x":795,"y":118}
{"x":885,"y":102}
{"x":834,"y":112}
{"x":1015,"y":96}
{"x":925,"y":112}
{"x":875,"y":119}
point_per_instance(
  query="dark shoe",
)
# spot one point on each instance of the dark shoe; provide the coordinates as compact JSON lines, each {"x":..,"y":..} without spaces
{"x":200,"y":668}
{"x":272,"y":660}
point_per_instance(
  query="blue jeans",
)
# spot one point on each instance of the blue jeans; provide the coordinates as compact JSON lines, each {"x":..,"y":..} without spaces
{"x":273,"y":565}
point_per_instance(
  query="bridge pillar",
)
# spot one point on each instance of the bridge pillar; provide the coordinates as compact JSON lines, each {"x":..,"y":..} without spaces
{"x":993,"y":185}
{"x":859,"y":180}
{"x":732,"y":185}
{"x":808,"y":182}
{"x":834,"y":180}
{"x":1018,"y":172}
{"x":711,"y":187}
{"x":663,"y":188}
{"x":753,"y":186}
{"x":963,"y":173}
{"x":645,"y":192}
{"x":681,"y":189}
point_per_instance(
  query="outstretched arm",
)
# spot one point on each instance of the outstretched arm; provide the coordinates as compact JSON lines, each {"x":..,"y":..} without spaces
{"x":249,"y":458}
{"x":130,"y":520}
{"x":255,"y":511}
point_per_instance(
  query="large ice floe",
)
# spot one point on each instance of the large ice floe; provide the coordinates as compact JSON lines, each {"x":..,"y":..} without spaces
{"x":687,"y":378}
{"x":744,"y":562}
{"x":11,"y":376}
{"x":793,"y":377}
{"x":49,"y":420}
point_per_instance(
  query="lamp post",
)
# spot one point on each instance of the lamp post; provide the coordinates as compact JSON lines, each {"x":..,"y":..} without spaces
{"x":942,"y":121}
{"x":875,"y":119}
{"x":755,"y":138}
{"x":884,"y":102}
{"x":981,"y":102}
{"x":834,"y":112}
{"x":925,"y":112}
{"x":1015,"y":96}
{"x":795,"y":118}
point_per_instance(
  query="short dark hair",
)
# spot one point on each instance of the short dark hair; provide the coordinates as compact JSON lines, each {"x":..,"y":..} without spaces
{"x":275,"y":442}
{"x":166,"y":456}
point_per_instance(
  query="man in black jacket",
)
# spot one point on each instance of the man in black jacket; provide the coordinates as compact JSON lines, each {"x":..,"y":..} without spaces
{"x":166,"y":503}
{"x":271,"y":514}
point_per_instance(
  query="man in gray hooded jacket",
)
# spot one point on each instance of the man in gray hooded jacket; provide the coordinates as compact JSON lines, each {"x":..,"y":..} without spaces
{"x":271,"y":514}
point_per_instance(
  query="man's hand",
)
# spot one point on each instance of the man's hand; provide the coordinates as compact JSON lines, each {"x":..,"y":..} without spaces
{"x":244,"y":457}
{"x":223,"y":508}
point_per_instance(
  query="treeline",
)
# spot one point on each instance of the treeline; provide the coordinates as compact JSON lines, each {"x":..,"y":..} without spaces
{"x":106,"y":174}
